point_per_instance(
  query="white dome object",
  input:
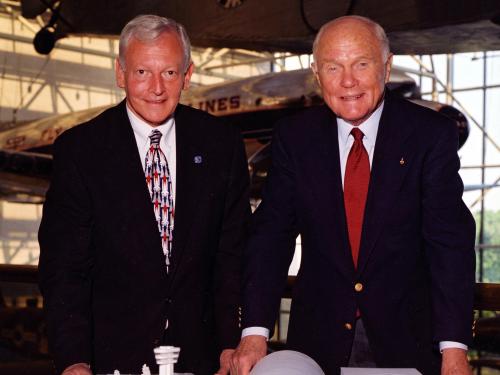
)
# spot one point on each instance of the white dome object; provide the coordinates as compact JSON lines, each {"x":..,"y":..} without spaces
{"x":287,"y":362}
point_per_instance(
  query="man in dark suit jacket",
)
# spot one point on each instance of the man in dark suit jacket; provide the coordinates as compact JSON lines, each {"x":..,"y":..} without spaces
{"x":108,"y":295}
{"x":402,"y":291}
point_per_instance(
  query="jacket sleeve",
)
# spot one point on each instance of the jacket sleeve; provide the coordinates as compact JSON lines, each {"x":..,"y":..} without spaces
{"x":449,"y":236}
{"x":227,"y":276}
{"x":271,"y":243}
{"x":65,"y":237}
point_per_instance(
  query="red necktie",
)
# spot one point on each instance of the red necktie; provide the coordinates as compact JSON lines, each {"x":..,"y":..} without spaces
{"x":356,"y":180}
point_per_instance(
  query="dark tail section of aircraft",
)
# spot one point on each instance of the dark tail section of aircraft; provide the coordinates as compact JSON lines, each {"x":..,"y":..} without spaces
{"x":24,"y":176}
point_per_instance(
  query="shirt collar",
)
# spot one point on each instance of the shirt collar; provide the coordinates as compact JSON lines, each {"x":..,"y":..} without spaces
{"x":142,"y":129}
{"x":369,"y":127}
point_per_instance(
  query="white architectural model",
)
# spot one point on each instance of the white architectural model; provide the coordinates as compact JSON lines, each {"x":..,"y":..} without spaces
{"x":166,"y":357}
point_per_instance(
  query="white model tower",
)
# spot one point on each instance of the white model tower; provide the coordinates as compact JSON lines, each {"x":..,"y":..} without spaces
{"x":166,"y":357}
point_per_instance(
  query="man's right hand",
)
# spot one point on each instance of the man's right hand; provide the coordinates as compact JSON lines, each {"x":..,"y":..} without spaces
{"x":77,"y":369}
{"x":250,"y":350}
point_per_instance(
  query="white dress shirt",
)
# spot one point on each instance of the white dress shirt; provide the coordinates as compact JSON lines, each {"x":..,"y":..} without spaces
{"x":370,"y":129}
{"x":142,"y":131}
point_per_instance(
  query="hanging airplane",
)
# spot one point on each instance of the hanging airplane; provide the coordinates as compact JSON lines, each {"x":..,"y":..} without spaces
{"x":413,"y":26}
{"x":253,"y":104}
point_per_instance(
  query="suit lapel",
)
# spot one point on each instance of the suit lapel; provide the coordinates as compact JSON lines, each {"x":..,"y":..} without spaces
{"x":331,"y":194}
{"x":130,"y":190}
{"x":192,"y":165}
{"x":391,"y":160}
{"x":124,"y":162}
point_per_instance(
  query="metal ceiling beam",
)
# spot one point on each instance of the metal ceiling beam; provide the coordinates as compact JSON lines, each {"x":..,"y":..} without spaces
{"x":210,"y":73}
{"x":8,"y":8}
{"x":60,"y":46}
{"x":462,"y":108}
{"x":213,"y":56}
{"x":248,"y":62}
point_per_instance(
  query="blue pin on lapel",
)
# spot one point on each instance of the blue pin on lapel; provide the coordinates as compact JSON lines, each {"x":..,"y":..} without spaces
{"x":198,"y":159}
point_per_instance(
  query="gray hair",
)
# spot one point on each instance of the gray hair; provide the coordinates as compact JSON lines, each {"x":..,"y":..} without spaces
{"x":379,"y":33}
{"x":149,"y":27}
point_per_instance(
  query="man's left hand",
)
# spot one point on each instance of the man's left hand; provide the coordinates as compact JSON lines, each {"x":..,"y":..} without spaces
{"x":225,"y":362}
{"x":455,"y":362}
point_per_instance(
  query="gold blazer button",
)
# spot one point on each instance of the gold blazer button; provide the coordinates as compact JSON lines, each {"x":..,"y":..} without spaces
{"x":358,"y":287}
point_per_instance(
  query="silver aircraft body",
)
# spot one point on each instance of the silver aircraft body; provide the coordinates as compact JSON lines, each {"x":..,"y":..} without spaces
{"x":253,"y":104}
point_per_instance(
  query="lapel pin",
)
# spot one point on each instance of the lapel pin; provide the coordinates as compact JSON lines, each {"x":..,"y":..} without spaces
{"x":198,"y":159}
{"x":402,"y":161}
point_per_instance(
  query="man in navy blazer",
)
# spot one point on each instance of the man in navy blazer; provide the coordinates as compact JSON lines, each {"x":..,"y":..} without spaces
{"x":108,"y":294}
{"x":406,"y":299}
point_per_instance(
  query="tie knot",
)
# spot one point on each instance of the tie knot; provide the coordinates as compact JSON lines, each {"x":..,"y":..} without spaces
{"x":357,"y":134}
{"x":155,"y":138}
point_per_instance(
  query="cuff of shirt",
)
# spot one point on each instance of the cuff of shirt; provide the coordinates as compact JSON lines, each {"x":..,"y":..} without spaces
{"x":451,"y":344}
{"x":261,"y":331}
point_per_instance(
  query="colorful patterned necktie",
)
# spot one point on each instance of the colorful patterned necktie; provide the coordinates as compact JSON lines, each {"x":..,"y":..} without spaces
{"x":356,"y":181}
{"x":159,"y":184}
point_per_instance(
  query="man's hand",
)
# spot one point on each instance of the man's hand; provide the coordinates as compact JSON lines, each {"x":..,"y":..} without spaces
{"x":77,"y":369}
{"x":250,"y":350}
{"x":455,"y":362}
{"x":225,"y":362}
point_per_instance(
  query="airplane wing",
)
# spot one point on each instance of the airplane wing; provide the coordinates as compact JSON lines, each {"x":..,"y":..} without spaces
{"x":413,"y":26}
{"x":38,"y":135}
